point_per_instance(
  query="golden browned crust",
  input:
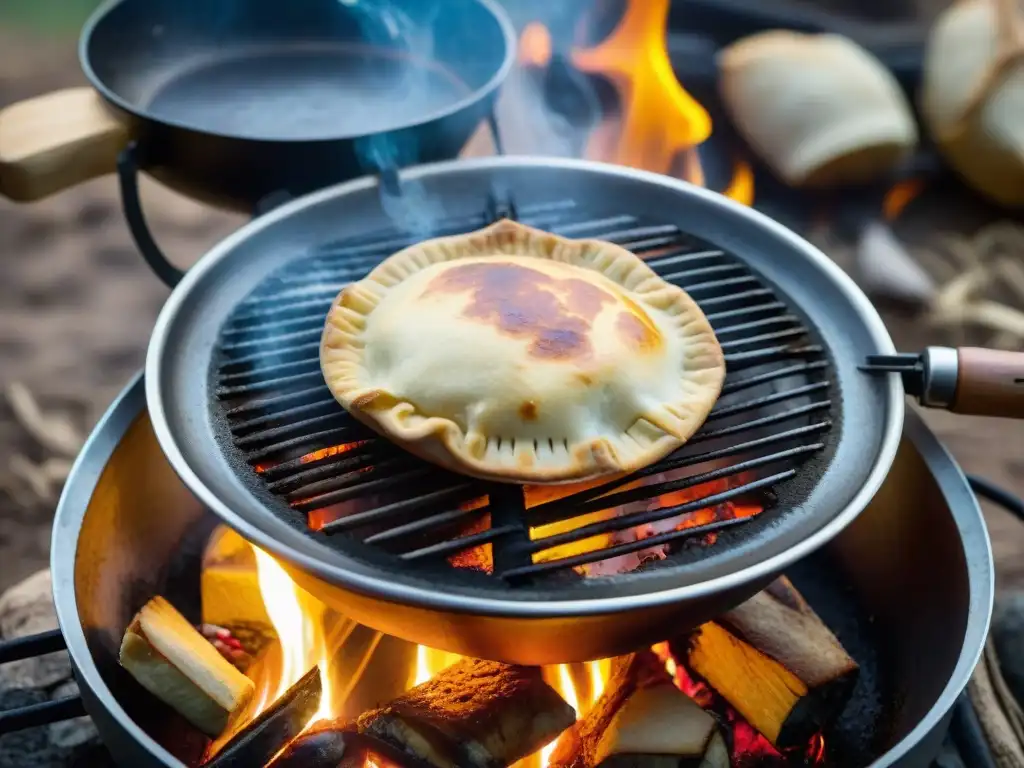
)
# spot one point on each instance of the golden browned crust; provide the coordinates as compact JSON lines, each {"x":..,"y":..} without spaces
{"x":514,"y":354}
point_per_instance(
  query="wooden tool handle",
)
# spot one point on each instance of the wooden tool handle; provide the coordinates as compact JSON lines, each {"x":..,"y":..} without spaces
{"x":989,"y":382}
{"x":53,"y":142}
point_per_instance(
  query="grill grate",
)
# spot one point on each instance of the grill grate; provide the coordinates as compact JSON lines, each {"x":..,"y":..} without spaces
{"x":322,"y":465}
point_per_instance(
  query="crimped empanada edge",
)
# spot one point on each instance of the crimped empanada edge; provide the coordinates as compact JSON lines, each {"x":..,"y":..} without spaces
{"x":441,"y":440}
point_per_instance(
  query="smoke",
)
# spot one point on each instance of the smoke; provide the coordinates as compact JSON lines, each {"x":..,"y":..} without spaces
{"x":413,"y":85}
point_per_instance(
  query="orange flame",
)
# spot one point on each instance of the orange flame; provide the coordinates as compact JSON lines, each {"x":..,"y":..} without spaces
{"x":741,"y":188}
{"x":660,"y":120}
{"x":298,"y":621}
{"x":900,"y":196}
{"x":535,"y":45}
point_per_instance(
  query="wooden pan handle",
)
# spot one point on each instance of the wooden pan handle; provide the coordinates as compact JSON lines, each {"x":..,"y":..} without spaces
{"x":53,"y":142}
{"x":990,"y":382}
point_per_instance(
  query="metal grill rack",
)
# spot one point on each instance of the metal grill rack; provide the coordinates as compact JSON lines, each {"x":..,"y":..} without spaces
{"x":775,"y":409}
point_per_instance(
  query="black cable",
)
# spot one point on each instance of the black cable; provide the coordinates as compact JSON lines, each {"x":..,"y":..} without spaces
{"x":989,"y":490}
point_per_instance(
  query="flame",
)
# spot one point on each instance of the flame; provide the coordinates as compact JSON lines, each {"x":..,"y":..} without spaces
{"x":430,"y":661}
{"x":900,"y":196}
{"x":816,"y":750}
{"x":564,"y":685}
{"x":298,"y":621}
{"x":659,"y":120}
{"x":535,"y":45}
{"x":741,"y":188}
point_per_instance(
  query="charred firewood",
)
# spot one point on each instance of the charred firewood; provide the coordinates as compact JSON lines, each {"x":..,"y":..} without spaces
{"x":474,"y":714}
{"x":642,"y":721}
{"x":169,"y":658}
{"x":327,"y":745}
{"x":326,"y":748}
{"x":778,"y":665}
{"x":260,"y":740}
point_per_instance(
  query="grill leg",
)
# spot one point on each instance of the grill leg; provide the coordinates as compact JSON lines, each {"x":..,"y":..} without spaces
{"x":508,"y":507}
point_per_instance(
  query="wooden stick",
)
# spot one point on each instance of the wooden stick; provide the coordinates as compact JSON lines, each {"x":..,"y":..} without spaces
{"x":642,"y":721}
{"x":275,"y":728}
{"x":169,"y":658}
{"x":776,"y":663}
{"x":474,"y":714}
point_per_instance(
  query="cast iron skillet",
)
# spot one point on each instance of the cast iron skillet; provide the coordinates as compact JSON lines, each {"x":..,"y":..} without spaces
{"x":229,"y":101}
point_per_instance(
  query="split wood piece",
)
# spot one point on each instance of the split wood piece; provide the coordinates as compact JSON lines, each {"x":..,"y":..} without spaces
{"x":229,"y":583}
{"x":230,"y":591}
{"x":169,"y":658}
{"x":778,"y":665}
{"x":474,"y":714}
{"x":275,"y":728}
{"x":642,"y":721}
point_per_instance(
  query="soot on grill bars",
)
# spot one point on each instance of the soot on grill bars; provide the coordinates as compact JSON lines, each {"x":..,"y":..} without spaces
{"x":273,"y":678}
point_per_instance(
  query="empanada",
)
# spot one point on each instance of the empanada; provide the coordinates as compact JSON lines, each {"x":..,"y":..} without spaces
{"x":516,"y":355}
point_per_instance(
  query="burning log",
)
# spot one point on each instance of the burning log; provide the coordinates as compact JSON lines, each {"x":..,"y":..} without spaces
{"x":315,"y":748}
{"x":776,"y":663}
{"x":474,"y":714}
{"x":325,"y":746}
{"x":259,"y":741}
{"x":643,"y":721}
{"x":175,"y":663}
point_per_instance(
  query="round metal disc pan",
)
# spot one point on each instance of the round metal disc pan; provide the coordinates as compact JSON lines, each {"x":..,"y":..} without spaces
{"x":178,"y":384}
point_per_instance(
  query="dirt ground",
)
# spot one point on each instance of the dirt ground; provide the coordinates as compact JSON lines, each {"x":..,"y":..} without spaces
{"x":77,"y":304}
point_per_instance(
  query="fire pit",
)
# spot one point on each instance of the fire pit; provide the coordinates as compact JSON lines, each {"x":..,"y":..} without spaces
{"x":848,"y":659}
{"x":914,"y":630}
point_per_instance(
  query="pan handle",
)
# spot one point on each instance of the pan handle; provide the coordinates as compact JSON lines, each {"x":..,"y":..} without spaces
{"x":968,"y":380}
{"x":989,"y":382}
{"x":53,"y":142}
{"x":128,"y":177}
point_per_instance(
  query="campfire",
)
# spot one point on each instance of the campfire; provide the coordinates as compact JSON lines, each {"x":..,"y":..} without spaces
{"x":655,"y":125}
{"x":758,"y":686}
{"x":295,"y":683}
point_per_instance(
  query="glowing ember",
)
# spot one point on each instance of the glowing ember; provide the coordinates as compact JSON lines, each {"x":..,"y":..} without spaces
{"x":816,"y":750}
{"x":900,"y":196}
{"x":325,"y":453}
{"x":728,"y":510}
{"x":659,"y":120}
{"x":478,"y":558}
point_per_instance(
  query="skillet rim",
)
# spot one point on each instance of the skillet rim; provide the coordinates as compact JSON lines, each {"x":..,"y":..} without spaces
{"x":138,"y":112}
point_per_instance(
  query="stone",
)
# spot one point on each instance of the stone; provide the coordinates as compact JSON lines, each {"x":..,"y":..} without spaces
{"x":73,"y":733}
{"x":1008,"y":636}
{"x":26,"y":609}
